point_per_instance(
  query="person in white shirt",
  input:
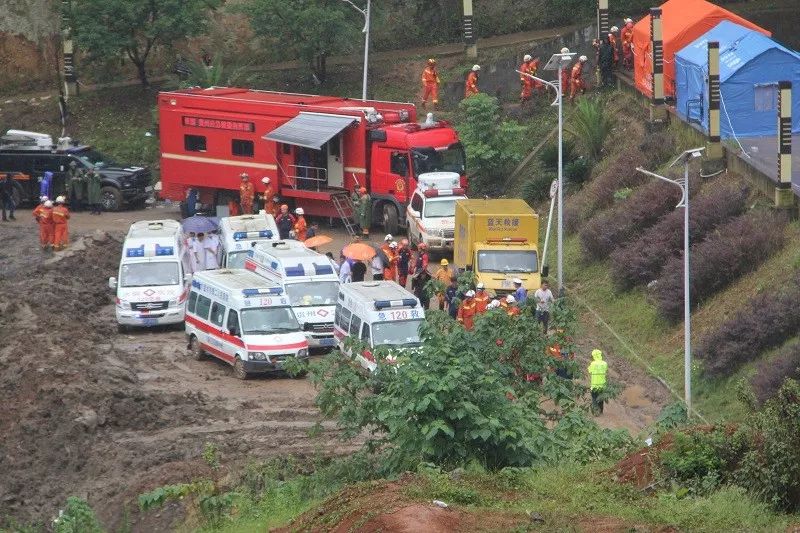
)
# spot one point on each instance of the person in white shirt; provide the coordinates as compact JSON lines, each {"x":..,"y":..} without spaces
{"x":543,"y":297}
{"x":197,"y":252}
{"x":345,"y":271}
{"x":211,"y":249}
{"x":376,"y":266}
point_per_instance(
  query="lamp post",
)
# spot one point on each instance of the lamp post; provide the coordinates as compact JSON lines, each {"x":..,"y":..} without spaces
{"x":366,"y":12}
{"x":557,"y":62}
{"x":683,"y":184}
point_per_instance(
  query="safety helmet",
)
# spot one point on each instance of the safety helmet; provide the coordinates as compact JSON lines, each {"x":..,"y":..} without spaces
{"x":60,"y":199}
{"x":470,"y":293}
{"x":299,"y":211}
{"x":388,"y":237}
{"x":614,"y":29}
{"x":362,"y":190}
{"x":628,"y":21}
{"x":517,"y":281}
{"x":476,"y":68}
{"x":43,"y":198}
{"x":494,"y":304}
{"x":444,"y":262}
{"x":480,"y":286}
{"x":565,"y":50}
{"x":597,"y":354}
{"x":431,"y":61}
{"x":244,"y":176}
{"x":393,"y":244}
{"x":583,"y":59}
{"x":48,"y":203}
{"x":510,"y":299}
{"x":265,"y":180}
{"x":527,"y":57}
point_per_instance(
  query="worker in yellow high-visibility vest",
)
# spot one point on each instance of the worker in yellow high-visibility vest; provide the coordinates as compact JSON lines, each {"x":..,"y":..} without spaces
{"x":597,"y":380}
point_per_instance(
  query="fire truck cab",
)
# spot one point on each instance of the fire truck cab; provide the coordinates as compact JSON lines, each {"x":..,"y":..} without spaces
{"x":316,"y":150}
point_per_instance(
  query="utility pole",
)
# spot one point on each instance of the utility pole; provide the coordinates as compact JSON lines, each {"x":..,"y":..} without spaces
{"x":470,"y":39}
{"x":68,"y":51}
{"x":366,"y":13}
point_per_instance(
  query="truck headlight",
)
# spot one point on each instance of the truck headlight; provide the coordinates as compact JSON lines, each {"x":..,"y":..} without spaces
{"x":126,"y":184}
{"x":258,"y":356}
{"x":123,"y":303}
{"x":303,"y":352}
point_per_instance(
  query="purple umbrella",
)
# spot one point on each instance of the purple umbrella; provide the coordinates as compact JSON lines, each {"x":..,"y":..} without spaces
{"x":199,"y":224}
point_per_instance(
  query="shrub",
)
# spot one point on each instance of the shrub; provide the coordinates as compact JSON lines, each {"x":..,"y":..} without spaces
{"x":771,"y":374}
{"x":537,"y":188}
{"x":641,"y":261}
{"x":736,"y":248}
{"x":599,"y":192}
{"x":694,"y":461}
{"x":577,"y":171}
{"x":590,"y":124}
{"x":766,"y":321}
{"x":621,"y":224}
{"x":549,"y":154}
{"x":77,"y":517}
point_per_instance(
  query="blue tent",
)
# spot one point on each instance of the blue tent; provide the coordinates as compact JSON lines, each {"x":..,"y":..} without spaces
{"x":751,"y":64}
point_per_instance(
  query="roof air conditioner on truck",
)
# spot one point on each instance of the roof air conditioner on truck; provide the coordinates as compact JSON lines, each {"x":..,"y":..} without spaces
{"x":313,"y":148}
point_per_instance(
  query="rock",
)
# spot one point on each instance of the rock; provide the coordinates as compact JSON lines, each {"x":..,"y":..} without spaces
{"x":440,"y":503}
{"x":457,"y":474}
{"x":89,"y":419}
{"x":99,"y":236}
{"x":536,"y":518}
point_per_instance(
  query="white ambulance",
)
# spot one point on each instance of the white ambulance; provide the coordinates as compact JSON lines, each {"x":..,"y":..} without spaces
{"x":243,"y":319}
{"x":431,"y":213}
{"x":154,"y":273}
{"x":379,"y":313}
{"x":310,"y":283}
{"x":239,"y":234}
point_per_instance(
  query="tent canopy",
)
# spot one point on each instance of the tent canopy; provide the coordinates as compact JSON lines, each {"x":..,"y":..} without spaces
{"x":751,"y":65}
{"x":310,"y":130}
{"x":682,"y":22}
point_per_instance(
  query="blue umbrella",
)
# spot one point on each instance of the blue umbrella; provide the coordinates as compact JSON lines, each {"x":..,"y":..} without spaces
{"x":199,"y":224}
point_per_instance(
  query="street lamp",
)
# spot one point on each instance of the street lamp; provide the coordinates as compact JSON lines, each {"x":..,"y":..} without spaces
{"x":558,"y":62}
{"x":366,"y":12}
{"x":683,"y":184}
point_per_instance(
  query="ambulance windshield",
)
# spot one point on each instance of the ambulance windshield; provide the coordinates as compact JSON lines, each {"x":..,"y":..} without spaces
{"x":440,"y":208}
{"x":451,"y":159}
{"x":311,"y":293}
{"x":508,"y":261}
{"x":402,"y":333}
{"x":268,"y":320}
{"x":150,"y":274}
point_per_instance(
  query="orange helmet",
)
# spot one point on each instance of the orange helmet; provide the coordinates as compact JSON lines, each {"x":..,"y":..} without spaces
{"x":362,"y":190}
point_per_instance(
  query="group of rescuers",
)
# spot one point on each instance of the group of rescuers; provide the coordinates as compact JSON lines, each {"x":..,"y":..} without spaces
{"x":607,"y":52}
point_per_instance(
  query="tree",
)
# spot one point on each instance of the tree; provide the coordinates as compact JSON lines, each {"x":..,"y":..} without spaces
{"x":134,"y":28}
{"x":311,"y":30}
{"x":590,"y":124}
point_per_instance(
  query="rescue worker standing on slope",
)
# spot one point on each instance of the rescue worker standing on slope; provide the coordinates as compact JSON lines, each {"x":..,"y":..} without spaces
{"x":627,"y":44}
{"x":526,"y":81}
{"x":430,"y":84}
{"x":60,"y":216}
{"x":471,"y":85}
{"x":565,"y":76}
{"x":612,"y":40}
{"x":246,"y":195}
{"x":597,"y":370}
{"x":300,"y":227}
{"x":43,"y":215}
{"x":576,"y":82}
{"x":467,"y":311}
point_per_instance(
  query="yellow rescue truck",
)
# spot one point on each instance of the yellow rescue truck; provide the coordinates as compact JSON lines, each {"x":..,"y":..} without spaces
{"x":497,"y":239}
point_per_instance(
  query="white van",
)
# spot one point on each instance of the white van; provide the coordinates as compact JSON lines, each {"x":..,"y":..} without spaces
{"x":310,"y":283}
{"x":238,"y":234}
{"x":152,"y":282}
{"x":431,"y":213}
{"x":379,"y":313}
{"x":243,"y":319}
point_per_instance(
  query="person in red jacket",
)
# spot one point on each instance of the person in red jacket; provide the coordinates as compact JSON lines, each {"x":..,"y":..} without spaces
{"x":481,"y":299}
{"x":60,"y":216}
{"x":300,"y":225}
{"x":430,"y":84}
{"x":565,"y":76}
{"x":471,"y":85}
{"x":576,"y":82}
{"x":612,"y":40}
{"x":246,"y":195}
{"x":526,"y":81}
{"x":467,"y":311}
{"x":43,"y":214}
{"x":390,"y":268}
{"x":627,"y":44}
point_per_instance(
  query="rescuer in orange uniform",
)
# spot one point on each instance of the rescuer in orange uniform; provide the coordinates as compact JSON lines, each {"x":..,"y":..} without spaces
{"x":443,"y":274}
{"x":481,"y":299}
{"x":565,"y":76}
{"x":576,"y":82}
{"x":612,"y":40}
{"x":527,"y":82}
{"x":510,"y":305}
{"x":60,"y":216}
{"x":467,"y":311}
{"x":300,"y":225}
{"x":430,"y":84}
{"x":267,"y":196}
{"x":246,"y":195}
{"x":627,"y":44}
{"x":471,"y":85}
{"x":43,"y":214}
{"x":390,"y":268}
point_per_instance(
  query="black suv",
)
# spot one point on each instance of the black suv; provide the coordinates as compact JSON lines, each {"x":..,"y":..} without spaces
{"x":121,"y":185}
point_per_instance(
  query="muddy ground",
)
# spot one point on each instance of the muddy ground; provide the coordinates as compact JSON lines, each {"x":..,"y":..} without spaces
{"x":90,"y":412}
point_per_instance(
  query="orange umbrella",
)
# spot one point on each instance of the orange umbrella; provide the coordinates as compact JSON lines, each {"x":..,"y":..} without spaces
{"x":317,"y":240}
{"x":359,"y":251}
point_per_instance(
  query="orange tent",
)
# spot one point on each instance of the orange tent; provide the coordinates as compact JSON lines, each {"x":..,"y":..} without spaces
{"x":682,"y":22}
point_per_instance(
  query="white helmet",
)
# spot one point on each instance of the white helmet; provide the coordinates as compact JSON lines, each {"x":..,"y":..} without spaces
{"x":583,"y":59}
{"x":476,"y":68}
{"x":565,"y":50}
{"x":60,"y":199}
{"x":527,"y":57}
{"x":43,"y":198}
{"x":470,"y":293}
{"x":494,"y":304}
{"x":48,"y":203}
{"x":265,"y":180}
{"x":510,"y":299}
{"x":628,"y":20}
{"x":614,"y":29}
{"x":299,"y":211}
{"x":516,"y":281}
{"x":393,"y":244}
{"x":388,"y":237}
{"x":480,"y":286}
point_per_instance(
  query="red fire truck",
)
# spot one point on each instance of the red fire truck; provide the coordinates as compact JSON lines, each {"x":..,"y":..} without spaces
{"x":315,"y":149}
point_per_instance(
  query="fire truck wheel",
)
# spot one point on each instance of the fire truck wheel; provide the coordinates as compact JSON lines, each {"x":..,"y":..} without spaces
{"x":390,"y":224}
{"x":195,"y":351}
{"x":238,"y":369}
{"x":111,"y":198}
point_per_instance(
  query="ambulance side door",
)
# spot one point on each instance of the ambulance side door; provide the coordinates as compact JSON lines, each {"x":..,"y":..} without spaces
{"x":202,"y":310}
{"x":222,"y":342}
